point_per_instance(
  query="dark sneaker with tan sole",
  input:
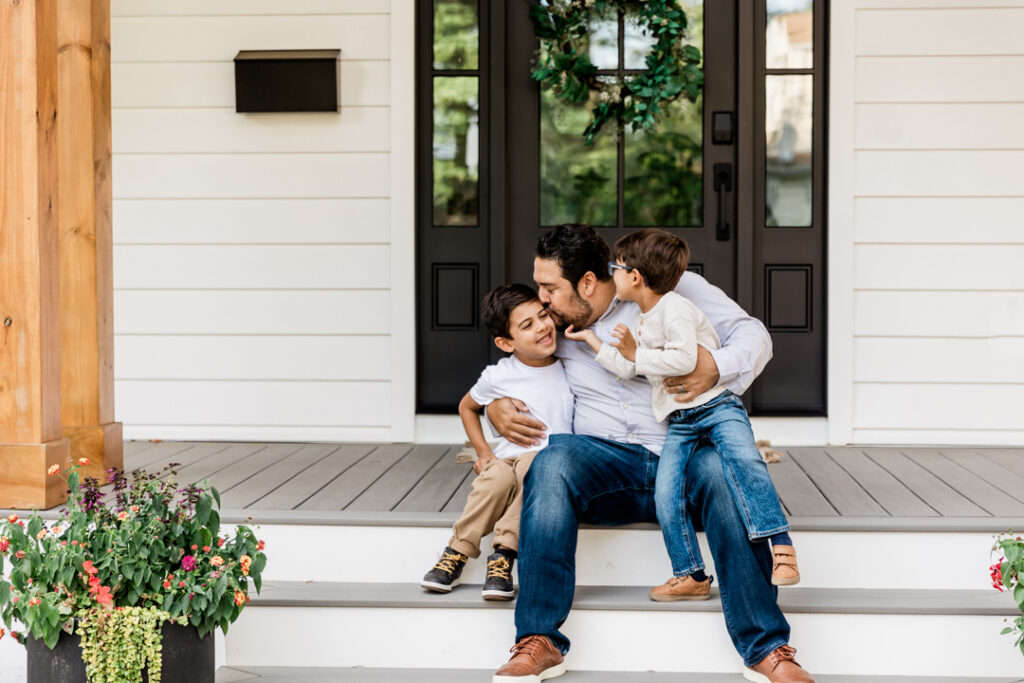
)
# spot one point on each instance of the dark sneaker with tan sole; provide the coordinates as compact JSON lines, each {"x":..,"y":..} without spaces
{"x":534,"y":659}
{"x":447,"y":573}
{"x":682,"y":588}
{"x":778,"y":667}
{"x":498,"y":582}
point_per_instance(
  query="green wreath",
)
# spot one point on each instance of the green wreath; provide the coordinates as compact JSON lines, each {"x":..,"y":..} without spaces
{"x":564,"y":65}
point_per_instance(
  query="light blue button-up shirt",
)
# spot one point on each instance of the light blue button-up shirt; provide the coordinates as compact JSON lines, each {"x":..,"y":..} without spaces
{"x":620,"y":409}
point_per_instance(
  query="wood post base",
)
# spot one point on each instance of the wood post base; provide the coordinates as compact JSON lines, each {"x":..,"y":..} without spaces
{"x":24,"y":484}
{"x":103,"y":445}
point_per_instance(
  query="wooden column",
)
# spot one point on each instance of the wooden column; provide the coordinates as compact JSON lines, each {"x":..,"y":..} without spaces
{"x":30,"y":406}
{"x":85,"y":200}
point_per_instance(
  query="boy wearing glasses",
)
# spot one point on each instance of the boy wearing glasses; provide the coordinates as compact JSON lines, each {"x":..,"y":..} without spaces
{"x":522,"y":327}
{"x":669,"y":328}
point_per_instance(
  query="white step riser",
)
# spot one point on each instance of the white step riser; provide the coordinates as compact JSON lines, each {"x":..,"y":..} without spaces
{"x":618,"y":641}
{"x":632,"y":557}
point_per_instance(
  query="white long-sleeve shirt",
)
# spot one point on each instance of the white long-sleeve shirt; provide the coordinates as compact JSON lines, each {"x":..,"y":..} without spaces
{"x":620,"y":409}
{"x":667,"y":337}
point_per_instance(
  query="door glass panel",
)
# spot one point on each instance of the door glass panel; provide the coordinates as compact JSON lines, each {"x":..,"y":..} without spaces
{"x":604,"y":40}
{"x":637,"y":44}
{"x":789,"y":37}
{"x":456,"y":34}
{"x":788,"y":126}
{"x":578,"y":182}
{"x":664,"y":184}
{"x":456,"y":150}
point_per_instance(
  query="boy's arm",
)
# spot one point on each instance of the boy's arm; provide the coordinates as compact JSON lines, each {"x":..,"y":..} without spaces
{"x":614,"y":362}
{"x":679,"y":355}
{"x":469,"y":411}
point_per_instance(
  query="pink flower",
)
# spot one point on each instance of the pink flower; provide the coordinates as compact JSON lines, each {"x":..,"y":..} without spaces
{"x":167,"y":584}
{"x":83,"y":461}
{"x":188,"y":563}
{"x":20,"y":555}
{"x":5,"y":543}
{"x":122,"y":515}
{"x":52,"y":470}
{"x":12,"y":519}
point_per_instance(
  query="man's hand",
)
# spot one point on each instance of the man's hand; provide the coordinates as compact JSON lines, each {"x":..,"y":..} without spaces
{"x":626,"y":344}
{"x":508,"y":415}
{"x":482,"y":462}
{"x":703,"y":378}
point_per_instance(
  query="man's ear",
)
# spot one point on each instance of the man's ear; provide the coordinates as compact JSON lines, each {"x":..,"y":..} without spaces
{"x":505,"y":344}
{"x":585,"y":287}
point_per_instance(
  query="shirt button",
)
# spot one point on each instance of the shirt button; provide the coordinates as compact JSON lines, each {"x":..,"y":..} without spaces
{"x":626,"y":406}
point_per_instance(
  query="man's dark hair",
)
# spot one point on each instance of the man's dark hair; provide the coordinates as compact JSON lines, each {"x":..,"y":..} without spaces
{"x":577,"y":249}
{"x":499,"y":304}
{"x":661,"y":257}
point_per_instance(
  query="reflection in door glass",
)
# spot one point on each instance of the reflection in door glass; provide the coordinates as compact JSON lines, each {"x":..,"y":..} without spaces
{"x":456,"y":147}
{"x":578,"y":182}
{"x":789,"y":36}
{"x":664,"y":185}
{"x":788,"y":116}
{"x":456,"y":34}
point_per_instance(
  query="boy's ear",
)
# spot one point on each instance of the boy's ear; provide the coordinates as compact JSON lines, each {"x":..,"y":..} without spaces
{"x":505,"y":344}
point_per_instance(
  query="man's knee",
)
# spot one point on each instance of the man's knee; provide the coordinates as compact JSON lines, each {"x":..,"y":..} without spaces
{"x":551,"y":467}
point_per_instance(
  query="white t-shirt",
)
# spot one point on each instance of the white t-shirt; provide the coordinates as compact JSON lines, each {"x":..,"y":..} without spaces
{"x":667,"y":337}
{"x":545,"y":391}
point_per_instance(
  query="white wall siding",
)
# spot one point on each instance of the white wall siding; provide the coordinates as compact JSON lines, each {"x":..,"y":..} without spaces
{"x":937,"y":231}
{"x":255,"y":276}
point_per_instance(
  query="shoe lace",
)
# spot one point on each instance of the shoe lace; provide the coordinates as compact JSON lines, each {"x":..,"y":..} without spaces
{"x":530,"y":645}
{"x":784,"y":653}
{"x":499,"y":568}
{"x":449,"y":562}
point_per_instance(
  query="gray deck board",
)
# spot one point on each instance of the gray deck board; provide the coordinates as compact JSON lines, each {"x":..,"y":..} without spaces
{"x":1007,"y":481}
{"x":437,"y":486}
{"x":343,"y":490}
{"x":842,"y":491}
{"x":393,"y":485}
{"x":294,"y":492}
{"x":268,"y":469}
{"x":199,"y":469}
{"x":797,"y":492}
{"x":1012,"y":460}
{"x":161,"y":454}
{"x":974,"y":488}
{"x":458,"y":499}
{"x":926,"y":485}
{"x":887,"y":490}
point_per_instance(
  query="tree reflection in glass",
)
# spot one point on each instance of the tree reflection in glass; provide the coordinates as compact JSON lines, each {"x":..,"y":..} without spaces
{"x":456,"y":147}
{"x":456,"y":34}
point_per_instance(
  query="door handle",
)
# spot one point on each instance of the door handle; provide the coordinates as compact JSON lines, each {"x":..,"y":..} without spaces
{"x":722,"y":174}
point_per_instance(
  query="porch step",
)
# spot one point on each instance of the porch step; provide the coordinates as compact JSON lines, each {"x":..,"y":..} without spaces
{"x":330,"y":675}
{"x":906,"y":632}
{"x":844,"y":556}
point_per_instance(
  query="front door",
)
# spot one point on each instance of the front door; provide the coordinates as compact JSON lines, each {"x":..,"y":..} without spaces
{"x":739,"y":175}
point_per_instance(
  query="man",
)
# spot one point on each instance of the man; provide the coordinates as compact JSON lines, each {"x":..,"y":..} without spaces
{"x":603,"y":474}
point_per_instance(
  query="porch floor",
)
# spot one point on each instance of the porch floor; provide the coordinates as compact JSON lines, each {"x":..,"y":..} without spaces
{"x":911,"y":488}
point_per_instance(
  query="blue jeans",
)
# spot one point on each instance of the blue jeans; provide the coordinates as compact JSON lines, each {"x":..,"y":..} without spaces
{"x":722,"y":423}
{"x":586,"y":479}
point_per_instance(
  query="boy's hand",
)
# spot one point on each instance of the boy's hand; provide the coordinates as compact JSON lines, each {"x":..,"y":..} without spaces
{"x":509,"y":418}
{"x":588,"y":336}
{"x":626,"y":344}
{"x":703,"y":378}
{"x":483,"y":461}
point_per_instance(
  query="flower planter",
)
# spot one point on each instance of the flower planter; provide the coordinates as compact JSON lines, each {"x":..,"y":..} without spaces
{"x":187,"y":658}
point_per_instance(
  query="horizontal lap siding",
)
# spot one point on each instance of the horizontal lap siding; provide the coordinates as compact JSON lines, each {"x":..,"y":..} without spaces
{"x":252,"y":256}
{"x":938,"y":184}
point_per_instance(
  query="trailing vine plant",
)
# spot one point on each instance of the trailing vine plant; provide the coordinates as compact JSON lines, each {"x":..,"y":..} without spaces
{"x":117,"y":644}
{"x":637,"y":100}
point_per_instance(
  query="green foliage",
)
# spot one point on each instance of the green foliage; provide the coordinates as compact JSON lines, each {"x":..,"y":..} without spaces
{"x":153,"y":553}
{"x":637,"y":100}
{"x":1008,"y":575}
{"x":118,"y":644}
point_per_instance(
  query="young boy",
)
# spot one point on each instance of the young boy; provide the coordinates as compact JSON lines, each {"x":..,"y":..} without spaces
{"x":647,"y":266}
{"x":522,"y":327}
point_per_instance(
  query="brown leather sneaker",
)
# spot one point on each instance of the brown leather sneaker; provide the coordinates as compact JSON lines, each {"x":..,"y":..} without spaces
{"x":681,"y":588}
{"x":534,"y":659}
{"x":778,"y":667}
{"x":784,"y":570}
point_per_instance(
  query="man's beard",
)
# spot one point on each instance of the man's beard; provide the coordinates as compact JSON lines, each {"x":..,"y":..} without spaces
{"x":577,"y":315}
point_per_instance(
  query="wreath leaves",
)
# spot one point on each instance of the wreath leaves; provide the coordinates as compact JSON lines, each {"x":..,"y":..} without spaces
{"x":563,"y":62}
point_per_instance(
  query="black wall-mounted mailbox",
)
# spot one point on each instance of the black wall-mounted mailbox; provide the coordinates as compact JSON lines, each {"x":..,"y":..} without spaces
{"x":286,"y":80}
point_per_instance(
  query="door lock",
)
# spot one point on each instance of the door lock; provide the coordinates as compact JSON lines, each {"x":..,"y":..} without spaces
{"x":722,"y":174}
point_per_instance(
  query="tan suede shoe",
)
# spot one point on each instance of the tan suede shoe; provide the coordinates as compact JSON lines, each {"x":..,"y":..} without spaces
{"x":784,"y":569}
{"x":534,"y":659}
{"x":778,"y":667}
{"x":684,"y":588}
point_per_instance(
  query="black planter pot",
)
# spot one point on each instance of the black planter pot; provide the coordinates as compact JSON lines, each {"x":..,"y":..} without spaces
{"x":187,"y":658}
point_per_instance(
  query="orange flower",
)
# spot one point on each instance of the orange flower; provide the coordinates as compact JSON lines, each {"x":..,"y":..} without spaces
{"x":12,"y":518}
{"x":245,"y":561}
{"x":41,"y":534}
{"x":167,"y":584}
{"x":220,"y":542}
{"x":83,"y":461}
{"x":122,"y":515}
{"x":2,"y":634}
{"x":89,"y":567}
{"x":52,"y":470}
{"x":216,"y":561}
{"x":206,"y":548}
{"x":239,"y":598}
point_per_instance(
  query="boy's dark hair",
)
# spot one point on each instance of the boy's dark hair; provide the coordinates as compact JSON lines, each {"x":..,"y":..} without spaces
{"x":499,"y":304}
{"x":577,"y":249}
{"x":661,"y":257}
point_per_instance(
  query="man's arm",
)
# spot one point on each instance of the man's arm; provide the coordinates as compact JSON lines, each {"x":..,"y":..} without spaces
{"x":746,"y":344}
{"x":509,"y":418}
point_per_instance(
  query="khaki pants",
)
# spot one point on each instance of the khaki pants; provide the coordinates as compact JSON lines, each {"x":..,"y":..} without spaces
{"x":495,"y":502}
